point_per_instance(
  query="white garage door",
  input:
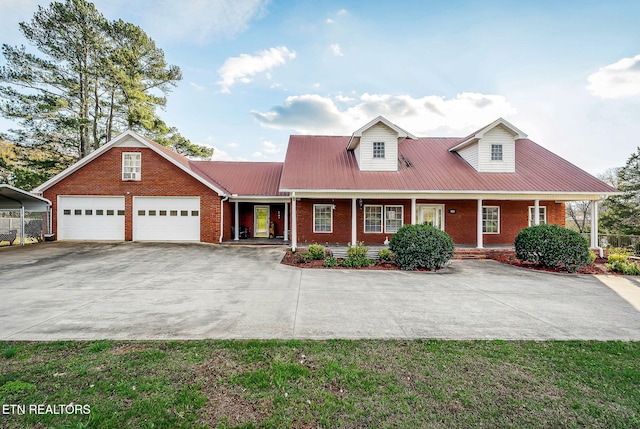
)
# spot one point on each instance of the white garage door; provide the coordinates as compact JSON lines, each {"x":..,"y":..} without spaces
{"x":166,"y":218}
{"x":90,"y":218}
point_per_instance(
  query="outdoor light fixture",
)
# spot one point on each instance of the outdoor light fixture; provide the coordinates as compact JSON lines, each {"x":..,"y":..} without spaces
{"x":452,"y":211}
{"x":360,"y":203}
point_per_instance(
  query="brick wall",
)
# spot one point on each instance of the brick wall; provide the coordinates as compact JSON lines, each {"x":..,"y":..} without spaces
{"x":461,"y":225}
{"x":103,"y":176}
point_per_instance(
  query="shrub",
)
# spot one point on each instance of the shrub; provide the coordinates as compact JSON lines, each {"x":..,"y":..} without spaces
{"x":592,"y":257}
{"x":316,"y":251}
{"x":421,"y":246}
{"x":330,"y":261}
{"x":552,"y":246}
{"x":357,"y":256}
{"x":385,"y":254}
{"x":10,"y":352}
{"x":619,"y":262}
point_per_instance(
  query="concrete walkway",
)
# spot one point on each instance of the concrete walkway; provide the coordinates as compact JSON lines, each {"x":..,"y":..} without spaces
{"x":59,"y":291}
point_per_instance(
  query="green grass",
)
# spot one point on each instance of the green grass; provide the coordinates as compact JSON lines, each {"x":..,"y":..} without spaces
{"x":274,"y":384}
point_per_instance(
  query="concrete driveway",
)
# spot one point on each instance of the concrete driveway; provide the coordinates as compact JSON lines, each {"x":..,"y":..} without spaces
{"x":58,"y":291}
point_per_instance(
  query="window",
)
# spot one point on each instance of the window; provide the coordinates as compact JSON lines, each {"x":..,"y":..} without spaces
{"x":88,"y":212}
{"x":543,"y":215}
{"x":491,"y":220}
{"x":99,"y":212}
{"x":323,"y":218}
{"x":393,"y":218}
{"x":110,"y":212}
{"x":372,"y":218}
{"x":77,"y":212}
{"x":67,"y":212}
{"x":141,"y":212}
{"x":152,"y":212}
{"x":131,"y":165}
{"x":173,"y":213}
{"x":184,"y":212}
{"x":163,"y":212}
{"x":496,"y":152}
{"x":378,"y":149}
{"x":195,"y":212}
{"x":120,"y":212}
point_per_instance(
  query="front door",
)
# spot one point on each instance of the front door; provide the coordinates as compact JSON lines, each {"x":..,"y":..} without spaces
{"x":431,"y":215}
{"x":261,"y":221}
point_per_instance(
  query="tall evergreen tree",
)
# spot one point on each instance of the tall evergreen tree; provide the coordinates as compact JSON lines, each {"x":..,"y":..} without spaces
{"x":87,"y":80}
{"x":623,"y":211}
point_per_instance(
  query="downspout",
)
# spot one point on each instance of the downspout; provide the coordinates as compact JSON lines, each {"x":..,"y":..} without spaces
{"x":226,"y":198}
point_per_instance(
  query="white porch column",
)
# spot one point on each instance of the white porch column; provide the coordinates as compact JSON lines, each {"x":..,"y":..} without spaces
{"x":236,"y":223}
{"x":413,"y":212}
{"x":286,"y":221}
{"x":21,"y":224}
{"x":354,"y":222}
{"x":479,"y":239}
{"x":294,"y":235}
{"x":536,"y":212}
{"x":594,"y":227}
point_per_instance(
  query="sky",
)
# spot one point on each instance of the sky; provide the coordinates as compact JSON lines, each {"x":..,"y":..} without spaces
{"x":256,"y":71}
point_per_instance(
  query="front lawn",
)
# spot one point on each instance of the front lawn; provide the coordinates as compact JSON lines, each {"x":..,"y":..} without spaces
{"x":309,"y":384}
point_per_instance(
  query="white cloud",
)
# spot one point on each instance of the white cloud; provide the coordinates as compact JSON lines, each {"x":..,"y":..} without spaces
{"x":270,"y":148}
{"x":221,"y":155}
{"x":244,"y":67}
{"x":335,"y":49}
{"x":617,"y":80}
{"x":316,"y":85}
{"x":330,"y":21}
{"x":199,"y":20}
{"x":342,"y":12}
{"x":314,"y":114}
{"x":233,"y":144}
{"x":257,"y":154}
{"x":197,"y":87}
{"x":344,"y":99}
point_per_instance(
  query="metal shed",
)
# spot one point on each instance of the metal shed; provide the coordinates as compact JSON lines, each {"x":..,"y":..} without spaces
{"x":12,"y":198}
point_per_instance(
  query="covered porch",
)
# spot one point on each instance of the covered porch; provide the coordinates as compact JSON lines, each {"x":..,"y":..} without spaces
{"x":259,"y":220}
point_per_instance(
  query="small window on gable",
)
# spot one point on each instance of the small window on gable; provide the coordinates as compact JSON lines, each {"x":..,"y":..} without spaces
{"x":131,"y":166}
{"x":496,"y":152}
{"x":378,"y":149}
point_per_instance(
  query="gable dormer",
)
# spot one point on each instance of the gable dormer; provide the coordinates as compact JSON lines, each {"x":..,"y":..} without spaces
{"x":376,"y":145}
{"x":491,"y":149}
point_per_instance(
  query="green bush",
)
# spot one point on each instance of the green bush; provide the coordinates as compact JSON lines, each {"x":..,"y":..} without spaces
{"x":552,"y":246}
{"x":421,"y":246}
{"x":357,"y":256}
{"x":385,"y":254}
{"x":316,"y":252}
{"x":357,"y":250}
{"x":330,"y":261}
{"x":620,"y":263}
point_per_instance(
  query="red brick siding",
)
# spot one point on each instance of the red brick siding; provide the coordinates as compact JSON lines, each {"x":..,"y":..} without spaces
{"x":103,"y":176}
{"x":461,"y":225}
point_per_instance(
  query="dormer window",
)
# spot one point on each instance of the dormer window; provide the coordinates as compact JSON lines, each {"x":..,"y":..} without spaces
{"x":378,"y":149}
{"x":496,"y":152}
{"x":131,"y":166}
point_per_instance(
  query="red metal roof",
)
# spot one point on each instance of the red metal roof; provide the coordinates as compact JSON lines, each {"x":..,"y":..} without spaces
{"x":242,"y":178}
{"x":425,"y":164}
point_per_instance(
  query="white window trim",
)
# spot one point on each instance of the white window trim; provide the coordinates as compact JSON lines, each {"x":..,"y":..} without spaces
{"x":364,"y":219}
{"x":373,"y":150}
{"x":384,"y":214}
{"x":532,"y":208}
{"x":501,"y":152}
{"x":499,"y":220}
{"x":139,"y":173}
{"x":314,"y":218}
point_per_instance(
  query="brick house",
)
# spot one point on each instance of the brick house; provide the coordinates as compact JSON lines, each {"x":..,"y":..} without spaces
{"x":481,"y":189}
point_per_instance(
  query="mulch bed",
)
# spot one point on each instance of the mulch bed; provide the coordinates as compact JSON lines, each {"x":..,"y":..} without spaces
{"x":295,"y":260}
{"x":597,"y":267}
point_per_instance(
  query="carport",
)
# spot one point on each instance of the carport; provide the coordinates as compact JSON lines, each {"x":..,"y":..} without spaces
{"x":14,"y":199}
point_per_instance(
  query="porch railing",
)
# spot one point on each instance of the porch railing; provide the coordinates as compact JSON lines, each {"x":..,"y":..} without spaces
{"x":629,"y":242}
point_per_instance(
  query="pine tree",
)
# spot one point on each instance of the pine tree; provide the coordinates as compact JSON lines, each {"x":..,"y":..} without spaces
{"x":623,"y":211}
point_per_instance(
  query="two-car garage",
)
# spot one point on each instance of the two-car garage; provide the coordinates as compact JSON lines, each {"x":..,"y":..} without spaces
{"x":103,"y":218}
